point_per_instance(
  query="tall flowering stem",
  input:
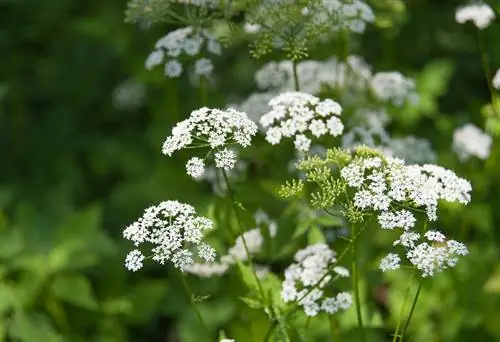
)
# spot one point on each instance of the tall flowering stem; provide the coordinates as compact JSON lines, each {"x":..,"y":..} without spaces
{"x":241,"y":232}
{"x":397,"y":337}
{"x":196,"y":310}
{"x":295,"y":76}
{"x":355,"y":280}
{"x":413,"y":305}
{"x":486,"y":68}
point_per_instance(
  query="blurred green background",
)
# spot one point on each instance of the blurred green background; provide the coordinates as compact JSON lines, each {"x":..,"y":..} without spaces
{"x":79,"y":163}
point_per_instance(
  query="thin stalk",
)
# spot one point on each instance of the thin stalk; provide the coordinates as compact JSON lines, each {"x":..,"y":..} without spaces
{"x":413,"y":305}
{"x":396,"y":335}
{"x":295,"y":76}
{"x":334,"y":332}
{"x":486,"y":68}
{"x":241,"y":232}
{"x":203,"y":91}
{"x":355,"y":283}
{"x":196,"y":310}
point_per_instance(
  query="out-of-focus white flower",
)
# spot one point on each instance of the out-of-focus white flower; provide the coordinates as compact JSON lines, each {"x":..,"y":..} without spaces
{"x":251,"y":28}
{"x":352,"y":15}
{"x":469,"y":140}
{"x":496,"y":80}
{"x":129,"y":95}
{"x":188,"y":41}
{"x":173,"y":232}
{"x":480,"y":14}
{"x":173,"y":68}
{"x":203,"y":67}
{"x":310,"y":270}
{"x":394,"y":87}
{"x":213,"y":128}
{"x":293,"y":114}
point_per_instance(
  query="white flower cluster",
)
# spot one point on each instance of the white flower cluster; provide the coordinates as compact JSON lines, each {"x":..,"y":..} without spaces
{"x":434,"y":255}
{"x":383,"y":185}
{"x":306,"y":280}
{"x":469,"y":140}
{"x":214,"y":128}
{"x":185,"y":40}
{"x":368,"y":129}
{"x":351,"y":15}
{"x":480,"y":14}
{"x":394,"y":88}
{"x":293,"y":114}
{"x":496,"y":80}
{"x":313,"y":75}
{"x":174,"y":231}
{"x":254,"y":241}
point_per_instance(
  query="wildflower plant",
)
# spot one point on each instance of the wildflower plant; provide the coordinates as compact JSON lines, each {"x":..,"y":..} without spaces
{"x":353,"y":176}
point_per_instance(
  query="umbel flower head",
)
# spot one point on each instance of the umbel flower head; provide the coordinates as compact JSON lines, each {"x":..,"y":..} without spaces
{"x":184,"y":41}
{"x":434,"y":255}
{"x":392,"y":192}
{"x":213,"y":128}
{"x":306,"y":281}
{"x":173,"y":232}
{"x":480,"y":14}
{"x":294,"y":114}
{"x":469,"y":141}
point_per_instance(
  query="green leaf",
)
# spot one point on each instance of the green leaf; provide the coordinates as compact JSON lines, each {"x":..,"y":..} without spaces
{"x":147,"y":299}
{"x":11,"y":242}
{"x":7,"y":298}
{"x":247,"y":276}
{"x":32,"y":327}
{"x":315,"y":235}
{"x":252,"y":302}
{"x":75,"y":290}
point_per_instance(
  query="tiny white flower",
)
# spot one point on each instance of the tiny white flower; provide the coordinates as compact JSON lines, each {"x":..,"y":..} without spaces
{"x":203,"y":67}
{"x":173,"y":68}
{"x":225,"y":159}
{"x":195,"y":167}
{"x":155,"y":58}
{"x":302,"y":143}
{"x":133,"y":261}
{"x":390,"y":262}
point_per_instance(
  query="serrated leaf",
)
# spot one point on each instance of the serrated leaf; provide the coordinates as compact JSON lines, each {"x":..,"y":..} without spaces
{"x":75,"y":290}
{"x":252,"y":302}
{"x":247,"y":276}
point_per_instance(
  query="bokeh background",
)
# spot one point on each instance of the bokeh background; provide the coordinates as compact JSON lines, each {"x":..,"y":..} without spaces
{"x":81,"y":128}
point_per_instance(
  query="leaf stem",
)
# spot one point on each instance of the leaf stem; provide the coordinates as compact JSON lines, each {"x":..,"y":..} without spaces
{"x":355,"y":282}
{"x":396,"y":335}
{"x":196,"y":310}
{"x":295,"y":76}
{"x":413,"y":305}
{"x":241,"y":232}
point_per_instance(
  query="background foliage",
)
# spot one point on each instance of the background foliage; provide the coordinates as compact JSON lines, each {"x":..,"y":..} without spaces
{"x":76,"y":169}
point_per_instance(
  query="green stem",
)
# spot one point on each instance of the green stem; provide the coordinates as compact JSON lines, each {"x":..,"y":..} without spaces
{"x":241,"y":232}
{"x":487,"y":71}
{"x":196,"y":310}
{"x":203,"y":91}
{"x":295,"y":76}
{"x":396,"y":335}
{"x":334,"y":333}
{"x":413,"y":305}
{"x":355,"y":283}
